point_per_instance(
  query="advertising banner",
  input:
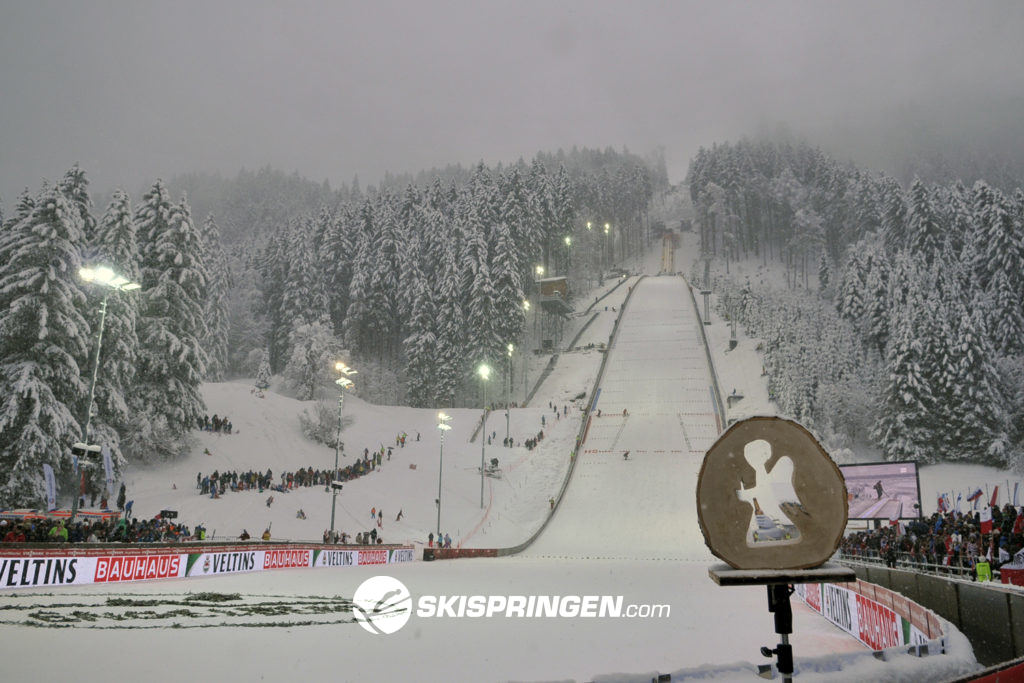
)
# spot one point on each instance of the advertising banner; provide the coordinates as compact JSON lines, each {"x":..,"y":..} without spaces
{"x":872,"y":623}
{"x":839,"y":606}
{"x":30,"y":572}
{"x":375,"y":556}
{"x":879,"y":626}
{"x":286,"y":559}
{"x":812,"y":596}
{"x":139,"y":568}
{"x":210,"y":564}
{"x":30,"y":569}
{"x":400,"y":555}
{"x":335,"y":558}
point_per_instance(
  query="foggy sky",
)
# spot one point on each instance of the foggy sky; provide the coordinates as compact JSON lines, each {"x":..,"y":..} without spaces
{"x":135,"y":90}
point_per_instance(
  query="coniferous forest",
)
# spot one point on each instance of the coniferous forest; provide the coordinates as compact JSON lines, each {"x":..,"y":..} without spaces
{"x":902,"y":322}
{"x":416,"y":281}
{"x":900,"y":325}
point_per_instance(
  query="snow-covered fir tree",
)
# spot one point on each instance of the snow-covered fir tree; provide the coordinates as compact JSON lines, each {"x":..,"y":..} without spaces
{"x":337,"y":253}
{"x":894,"y":215}
{"x":999,"y":264}
{"x":421,"y":348}
{"x":824,"y":272}
{"x":215,"y":341}
{"x":975,"y":414}
{"x":75,"y":186}
{"x":878,"y":297}
{"x":410,"y":226}
{"x":484,"y":336}
{"x":384,"y":296}
{"x":274,"y":269}
{"x":165,"y":401}
{"x":903,"y":429}
{"x":313,"y":353}
{"x":115,"y":246}
{"x":924,"y":228}
{"x":152,"y":219}
{"x":247,"y":327}
{"x":263,"y":373}
{"x":508,"y":288}
{"x":44,"y":342}
{"x":359,"y":315}
{"x":452,"y":340}
{"x":850,"y":299}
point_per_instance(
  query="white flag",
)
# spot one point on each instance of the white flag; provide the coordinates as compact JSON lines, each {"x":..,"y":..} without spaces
{"x":108,"y":469}
{"x":51,"y":488}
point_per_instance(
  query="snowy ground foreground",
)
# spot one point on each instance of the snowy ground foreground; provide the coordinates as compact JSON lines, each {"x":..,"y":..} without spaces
{"x":640,"y":513}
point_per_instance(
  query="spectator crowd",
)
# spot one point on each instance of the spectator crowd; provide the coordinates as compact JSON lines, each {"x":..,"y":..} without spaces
{"x":218,"y":483}
{"x":945,"y":542}
{"x":123,"y":530}
{"x":215,"y":424}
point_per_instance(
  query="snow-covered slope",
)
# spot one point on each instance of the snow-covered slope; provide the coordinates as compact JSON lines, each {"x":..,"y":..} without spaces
{"x":642,"y":509}
{"x":655,"y":403}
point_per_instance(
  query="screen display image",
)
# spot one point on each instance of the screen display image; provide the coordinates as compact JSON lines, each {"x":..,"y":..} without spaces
{"x":888,"y":490}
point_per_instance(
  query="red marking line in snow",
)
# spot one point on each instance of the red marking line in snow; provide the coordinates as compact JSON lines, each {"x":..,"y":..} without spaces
{"x":490,"y":499}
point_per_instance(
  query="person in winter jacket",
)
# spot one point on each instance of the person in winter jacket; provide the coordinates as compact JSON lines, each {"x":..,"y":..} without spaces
{"x":15,"y":535}
{"x":59,"y":533}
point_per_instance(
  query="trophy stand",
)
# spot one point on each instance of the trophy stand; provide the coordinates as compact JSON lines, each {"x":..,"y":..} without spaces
{"x":778,"y":583}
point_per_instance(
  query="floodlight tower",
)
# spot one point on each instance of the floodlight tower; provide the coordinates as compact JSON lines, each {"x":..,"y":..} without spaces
{"x":484,"y":371}
{"x":443,"y":426}
{"x":343,"y":383}
{"x":101,"y":275}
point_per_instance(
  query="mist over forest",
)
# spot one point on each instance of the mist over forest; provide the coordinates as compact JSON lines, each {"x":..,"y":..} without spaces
{"x":286,"y":189}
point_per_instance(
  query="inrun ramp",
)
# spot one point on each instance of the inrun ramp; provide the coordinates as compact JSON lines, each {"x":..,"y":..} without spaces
{"x":643,"y":507}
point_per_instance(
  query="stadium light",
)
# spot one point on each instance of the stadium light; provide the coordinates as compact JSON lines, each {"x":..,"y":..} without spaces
{"x":101,"y":275}
{"x":343,"y":383}
{"x":508,"y":395}
{"x":484,"y":371}
{"x":443,"y":426}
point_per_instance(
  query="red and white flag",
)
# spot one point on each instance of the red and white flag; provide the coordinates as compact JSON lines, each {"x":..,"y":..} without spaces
{"x":986,"y":520}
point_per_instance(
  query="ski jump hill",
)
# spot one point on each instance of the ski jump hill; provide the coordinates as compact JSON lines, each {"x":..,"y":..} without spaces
{"x":617,"y":521}
{"x":655,"y":401}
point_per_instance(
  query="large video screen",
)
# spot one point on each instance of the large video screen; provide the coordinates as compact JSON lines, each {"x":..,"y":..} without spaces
{"x":883,"y":490}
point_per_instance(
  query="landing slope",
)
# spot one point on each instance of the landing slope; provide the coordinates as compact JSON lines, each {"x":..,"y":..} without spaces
{"x":644,"y":506}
